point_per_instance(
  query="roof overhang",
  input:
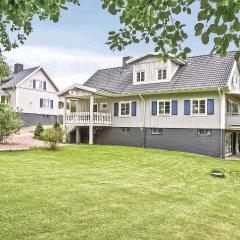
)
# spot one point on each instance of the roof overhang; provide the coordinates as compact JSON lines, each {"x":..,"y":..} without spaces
{"x":75,"y":87}
{"x":172,"y":58}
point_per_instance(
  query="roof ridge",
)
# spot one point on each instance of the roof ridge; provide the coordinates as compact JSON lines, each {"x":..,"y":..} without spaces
{"x":209,"y":54}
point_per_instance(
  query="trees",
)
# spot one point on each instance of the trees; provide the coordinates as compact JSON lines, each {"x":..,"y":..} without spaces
{"x":5,"y":70}
{"x":16,"y":18}
{"x":10,"y":122}
{"x":160,"y":21}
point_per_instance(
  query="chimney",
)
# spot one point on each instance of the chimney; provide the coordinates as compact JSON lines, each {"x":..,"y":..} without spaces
{"x":18,"y":68}
{"x":124,"y":60}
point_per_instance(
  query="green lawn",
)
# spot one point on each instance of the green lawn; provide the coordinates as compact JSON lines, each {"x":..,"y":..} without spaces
{"x":102,"y":192}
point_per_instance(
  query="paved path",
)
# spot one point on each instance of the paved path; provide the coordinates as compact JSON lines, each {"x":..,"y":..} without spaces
{"x":22,"y":141}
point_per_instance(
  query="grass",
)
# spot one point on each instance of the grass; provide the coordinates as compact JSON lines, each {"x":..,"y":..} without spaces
{"x":103,"y":192}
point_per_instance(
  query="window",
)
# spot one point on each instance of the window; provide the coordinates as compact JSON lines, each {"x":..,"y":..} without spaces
{"x":162,"y":74}
{"x":103,"y":106}
{"x":125,"y":109}
{"x":46,"y":103}
{"x":164,"y":107}
{"x":4,"y":99}
{"x":39,"y":84}
{"x":125,"y":129}
{"x":60,"y":105}
{"x":232,"y":107}
{"x":157,"y":131}
{"x":204,"y":132}
{"x":95,"y":107}
{"x":140,"y":76}
{"x":199,"y":107}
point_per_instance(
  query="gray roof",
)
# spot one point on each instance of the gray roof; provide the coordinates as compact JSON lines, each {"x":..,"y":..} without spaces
{"x":3,"y":93}
{"x":12,"y":81}
{"x":204,"y":71}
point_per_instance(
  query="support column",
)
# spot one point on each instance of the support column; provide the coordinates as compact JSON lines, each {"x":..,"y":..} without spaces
{"x":64,"y":112}
{"x":91,"y":120}
{"x":78,"y":135}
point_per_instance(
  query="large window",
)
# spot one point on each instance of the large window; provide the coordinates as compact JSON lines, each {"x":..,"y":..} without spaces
{"x":232,"y":107}
{"x":162,"y":74}
{"x":157,"y":131}
{"x":164,"y":107}
{"x":46,"y":103}
{"x":140,"y":76}
{"x":125,"y":108}
{"x":199,"y":107}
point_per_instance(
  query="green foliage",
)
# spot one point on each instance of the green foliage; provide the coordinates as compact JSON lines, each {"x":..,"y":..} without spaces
{"x":38,"y":131}
{"x":16,"y":18}
{"x":53,"y":136}
{"x":56,"y":125}
{"x":10,"y":122}
{"x":159,"y":21}
{"x":5,"y":70}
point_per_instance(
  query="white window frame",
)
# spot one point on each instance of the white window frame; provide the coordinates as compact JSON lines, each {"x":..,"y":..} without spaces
{"x":46,"y":103}
{"x":103,"y":108}
{"x":141,"y":81}
{"x":198,"y":114}
{"x":162,"y":79}
{"x":95,"y":104}
{"x":205,"y":132}
{"x":156,"y":131}
{"x":164,"y":114}
{"x":130,"y":108}
{"x":232,"y":102}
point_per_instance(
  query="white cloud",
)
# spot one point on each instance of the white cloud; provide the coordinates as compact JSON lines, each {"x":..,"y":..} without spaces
{"x":64,"y":66}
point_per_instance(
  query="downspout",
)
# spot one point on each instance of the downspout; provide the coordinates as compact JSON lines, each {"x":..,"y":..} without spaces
{"x":221,"y":130}
{"x":143,"y":125}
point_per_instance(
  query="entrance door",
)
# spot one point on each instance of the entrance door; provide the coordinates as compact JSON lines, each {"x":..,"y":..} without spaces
{"x":229,"y":144}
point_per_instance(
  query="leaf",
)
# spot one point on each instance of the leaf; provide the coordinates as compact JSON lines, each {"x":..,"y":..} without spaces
{"x":205,"y":38}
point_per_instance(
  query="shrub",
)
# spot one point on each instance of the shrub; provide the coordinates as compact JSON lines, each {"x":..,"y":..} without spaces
{"x":38,"y":131}
{"x":56,"y":125}
{"x":53,"y":136}
{"x":10,"y":122}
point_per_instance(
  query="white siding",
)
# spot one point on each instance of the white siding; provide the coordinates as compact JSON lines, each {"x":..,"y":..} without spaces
{"x":28,"y":99}
{"x":234,"y":81}
{"x":179,"y":121}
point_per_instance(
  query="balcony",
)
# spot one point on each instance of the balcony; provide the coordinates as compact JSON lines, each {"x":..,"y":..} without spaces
{"x":233,"y":120}
{"x":83,"y":118}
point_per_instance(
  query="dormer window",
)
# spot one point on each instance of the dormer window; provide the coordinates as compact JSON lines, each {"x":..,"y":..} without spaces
{"x":162,"y":74}
{"x":140,"y":76}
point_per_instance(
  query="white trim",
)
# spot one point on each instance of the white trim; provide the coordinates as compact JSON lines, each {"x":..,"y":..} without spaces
{"x":231,"y":75}
{"x":172,"y":58}
{"x":130,"y":108}
{"x":198,"y":114}
{"x":164,"y":100}
{"x":167,"y":74}
{"x":79,"y":86}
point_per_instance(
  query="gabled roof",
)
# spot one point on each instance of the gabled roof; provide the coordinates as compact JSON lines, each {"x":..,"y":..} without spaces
{"x":77,"y":86}
{"x":13,"y":80}
{"x":3,"y":93}
{"x":154,"y":54}
{"x":199,"y":72}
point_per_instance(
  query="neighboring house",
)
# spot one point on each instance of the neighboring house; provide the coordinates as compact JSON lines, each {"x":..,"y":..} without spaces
{"x":190,"y":105}
{"x":34,"y":93}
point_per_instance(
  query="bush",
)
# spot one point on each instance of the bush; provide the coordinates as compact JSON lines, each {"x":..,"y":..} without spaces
{"x":38,"y":131}
{"x":10,"y":122}
{"x":53,"y":136}
{"x":56,"y":125}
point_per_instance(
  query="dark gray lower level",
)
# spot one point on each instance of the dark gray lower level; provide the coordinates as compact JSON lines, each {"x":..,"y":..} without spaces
{"x":31,"y":119}
{"x":186,"y":140}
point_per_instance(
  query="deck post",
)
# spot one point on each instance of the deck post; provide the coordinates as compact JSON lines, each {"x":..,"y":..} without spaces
{"x":64,"y":112}
{"x":91,"y":120}
{"x":78,"y":135}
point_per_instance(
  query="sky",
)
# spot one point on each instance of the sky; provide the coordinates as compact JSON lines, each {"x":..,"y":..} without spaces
{"x":75,"y":47}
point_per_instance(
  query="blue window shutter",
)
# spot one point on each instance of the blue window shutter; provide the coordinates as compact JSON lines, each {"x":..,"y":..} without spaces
{"x":116,"y":107}
{"x":44,"y":85}
{"x":134,"y":109}
{"x":174,"y":107}
{"x":210,"y":106}
{"x":186,"y":107}
{"x":41,"y":102}
{"x":154,"y":108}
{"x":51,"y":104}
{"x":34,"y":83}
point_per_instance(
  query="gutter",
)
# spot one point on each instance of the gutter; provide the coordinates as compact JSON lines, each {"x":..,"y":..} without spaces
{"x":221,"y":130}
{"x":144,"y":118}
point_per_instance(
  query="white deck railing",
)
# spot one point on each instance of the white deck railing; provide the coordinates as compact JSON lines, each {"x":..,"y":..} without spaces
{"x":84,"y":118}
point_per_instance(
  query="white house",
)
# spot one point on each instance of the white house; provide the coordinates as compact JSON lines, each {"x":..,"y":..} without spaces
{"x":34,"y":93}
{"x":191,"y":105}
